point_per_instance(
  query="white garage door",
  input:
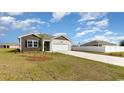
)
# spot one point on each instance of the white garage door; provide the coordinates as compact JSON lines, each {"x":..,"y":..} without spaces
{"x":56,"y":47}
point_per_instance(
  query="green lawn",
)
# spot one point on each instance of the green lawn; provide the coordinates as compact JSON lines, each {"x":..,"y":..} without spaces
{"x":54,"y":66}
{"x":119,"y":54}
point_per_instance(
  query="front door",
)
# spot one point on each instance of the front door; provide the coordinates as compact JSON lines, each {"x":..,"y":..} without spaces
{"x":46,"y":46}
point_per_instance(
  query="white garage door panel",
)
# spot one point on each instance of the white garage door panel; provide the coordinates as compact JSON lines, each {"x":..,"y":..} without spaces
{"x":60,"y":47}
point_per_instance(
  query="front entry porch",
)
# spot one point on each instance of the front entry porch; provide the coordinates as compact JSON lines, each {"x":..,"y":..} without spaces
{"x":46,"y":46}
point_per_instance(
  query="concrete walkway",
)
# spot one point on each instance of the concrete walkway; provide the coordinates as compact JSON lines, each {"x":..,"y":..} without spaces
{"x":97,"y":57}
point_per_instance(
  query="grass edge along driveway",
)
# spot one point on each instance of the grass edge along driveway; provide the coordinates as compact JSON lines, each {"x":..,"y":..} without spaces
{"x":116,"y":54}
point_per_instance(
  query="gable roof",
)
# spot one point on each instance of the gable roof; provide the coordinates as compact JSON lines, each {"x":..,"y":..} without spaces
{"x":97,"y":42}
{"x":61,"y":37}
{"x":28,"y":35}
{"x":46,"y":36}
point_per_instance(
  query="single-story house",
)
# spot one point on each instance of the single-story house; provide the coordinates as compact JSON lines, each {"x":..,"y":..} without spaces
{"x":9,"y":45}
{"x":98,"y":46}
{"x":44,"y":42}
{"x":98,"y":43}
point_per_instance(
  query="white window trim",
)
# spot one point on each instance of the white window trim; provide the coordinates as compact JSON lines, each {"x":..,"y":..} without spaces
{"x":33,"y":43}
{"x":37,"y":43}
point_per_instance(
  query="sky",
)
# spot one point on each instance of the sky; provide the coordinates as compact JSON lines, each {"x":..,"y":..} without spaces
{"x":80,"y":27}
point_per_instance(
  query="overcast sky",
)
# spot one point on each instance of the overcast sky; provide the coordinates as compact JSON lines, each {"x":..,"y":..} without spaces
{"x":79,"y":27}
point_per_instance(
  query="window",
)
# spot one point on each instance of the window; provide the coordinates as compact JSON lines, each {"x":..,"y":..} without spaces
{"x":35,"y":43}
{"x":32,"y":43}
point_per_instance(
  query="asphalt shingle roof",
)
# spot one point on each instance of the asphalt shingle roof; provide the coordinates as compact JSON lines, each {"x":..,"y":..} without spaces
{"x":97,"y":42}
{"x":45,"y":36}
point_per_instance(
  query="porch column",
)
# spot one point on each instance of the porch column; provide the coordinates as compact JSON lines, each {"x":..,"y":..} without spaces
{"x":43,"y":46}
{"x":50,"y":45}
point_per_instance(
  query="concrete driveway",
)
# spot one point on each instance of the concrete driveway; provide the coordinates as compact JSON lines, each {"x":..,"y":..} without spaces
{"x":96,"y":57}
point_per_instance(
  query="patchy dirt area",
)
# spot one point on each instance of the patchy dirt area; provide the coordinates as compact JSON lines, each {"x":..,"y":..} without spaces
{"x":37,"y":57}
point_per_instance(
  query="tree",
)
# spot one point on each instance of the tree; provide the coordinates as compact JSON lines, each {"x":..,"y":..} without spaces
{"x":122,"y":43}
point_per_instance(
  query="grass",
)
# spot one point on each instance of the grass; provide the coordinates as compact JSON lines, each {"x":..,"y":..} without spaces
{"x":54,"y":66}
{"x":118,"y":54}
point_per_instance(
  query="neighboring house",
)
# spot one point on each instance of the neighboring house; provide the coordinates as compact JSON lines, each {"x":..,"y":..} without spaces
{"x":98,"y":46}
{"x":98,"y":43}
{"x":44,"y":42}
{"x":9,"y":45}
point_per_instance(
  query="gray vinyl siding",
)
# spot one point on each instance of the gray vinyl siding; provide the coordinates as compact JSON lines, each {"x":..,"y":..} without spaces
{"x":24,"y":41}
